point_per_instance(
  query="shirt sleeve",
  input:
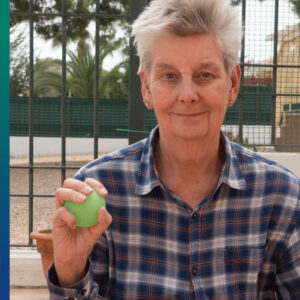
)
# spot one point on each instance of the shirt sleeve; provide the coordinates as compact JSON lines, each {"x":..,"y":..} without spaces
{"x":288,"y":267}
{"x":94,"y":285}
{"x":84,"y":289}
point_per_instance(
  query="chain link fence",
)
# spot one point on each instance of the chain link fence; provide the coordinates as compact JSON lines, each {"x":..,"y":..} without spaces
{"x":56,"y":45}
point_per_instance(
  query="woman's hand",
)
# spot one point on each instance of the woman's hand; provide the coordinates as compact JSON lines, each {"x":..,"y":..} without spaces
{"x":72,"y":245}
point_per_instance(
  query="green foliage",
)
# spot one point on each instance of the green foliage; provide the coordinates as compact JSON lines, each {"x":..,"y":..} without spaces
{"x":80,"y":69}
{"x":115,"y":83}
{"x":47,"y":77}
{"x":80,"y":75}
{"x":76,"y":27}
{"x":296,"y":8}
{"x":237,"y":2}
{"x":19,"y":65}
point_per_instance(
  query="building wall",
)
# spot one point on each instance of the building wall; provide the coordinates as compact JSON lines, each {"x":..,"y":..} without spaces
{"x":288,"y":79}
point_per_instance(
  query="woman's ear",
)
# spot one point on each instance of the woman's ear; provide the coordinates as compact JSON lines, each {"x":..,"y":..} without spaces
{"x":235,"y":78}
{"x":146,"y":92}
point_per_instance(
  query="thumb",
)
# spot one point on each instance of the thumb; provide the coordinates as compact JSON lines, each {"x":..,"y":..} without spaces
{"x":104,"y":220}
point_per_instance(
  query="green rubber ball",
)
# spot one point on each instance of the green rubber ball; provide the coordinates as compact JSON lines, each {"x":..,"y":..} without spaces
{"x":86,"y":213}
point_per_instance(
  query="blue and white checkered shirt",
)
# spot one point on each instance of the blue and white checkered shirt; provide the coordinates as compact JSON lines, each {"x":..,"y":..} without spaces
{"x":241,"y":242}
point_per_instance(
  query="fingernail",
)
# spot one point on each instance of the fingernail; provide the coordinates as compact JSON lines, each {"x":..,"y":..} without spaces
{"x":87,"y":190}
{"x":102,"y":216}
{"x":81,"y":197}
{"x":103,"y":191}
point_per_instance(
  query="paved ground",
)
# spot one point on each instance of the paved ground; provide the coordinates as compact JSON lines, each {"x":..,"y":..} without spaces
{"x":29,"y":294}
{"x":45,"y":181}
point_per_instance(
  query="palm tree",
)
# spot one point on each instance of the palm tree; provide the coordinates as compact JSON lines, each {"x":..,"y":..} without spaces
{"x":47,"y":77}
{"x":19,"y":64}
{"x":47,"y":73}
{"x":50,"y":28}
{"x":80,"y":73}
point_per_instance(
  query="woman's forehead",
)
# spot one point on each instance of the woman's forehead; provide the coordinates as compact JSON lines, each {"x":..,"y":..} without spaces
{"x":195,"y":50}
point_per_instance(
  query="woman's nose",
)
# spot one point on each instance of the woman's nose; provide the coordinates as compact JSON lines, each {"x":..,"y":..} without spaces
{"x":188,"y":91}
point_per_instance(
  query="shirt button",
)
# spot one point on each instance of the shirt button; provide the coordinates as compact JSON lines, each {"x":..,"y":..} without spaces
{"x":194,"y":215}
{"x":194,"y":270}
{"x":83,"y":292}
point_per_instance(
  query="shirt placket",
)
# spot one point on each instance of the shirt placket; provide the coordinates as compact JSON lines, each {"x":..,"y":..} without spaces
{"x":195,"y":255}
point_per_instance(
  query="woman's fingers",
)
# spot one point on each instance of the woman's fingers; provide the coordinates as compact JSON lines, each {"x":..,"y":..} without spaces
{"x":104,"y":220}
{"x":104,"y":217}
{"x":77,"y":185}
{"x":76,"y":190}
{"x":62,"y":216}
{"x":64,"y":194}
{"x":97,"y":185}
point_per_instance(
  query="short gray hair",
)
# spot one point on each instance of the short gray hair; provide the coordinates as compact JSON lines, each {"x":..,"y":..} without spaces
{"x":187,"y":17}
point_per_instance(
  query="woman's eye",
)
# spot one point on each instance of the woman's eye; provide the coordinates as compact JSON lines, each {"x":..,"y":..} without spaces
{"x":205,"y":75}
{"x":169,"y":76}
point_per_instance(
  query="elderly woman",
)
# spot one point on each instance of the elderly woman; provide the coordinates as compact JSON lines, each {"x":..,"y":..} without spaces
{"x":189,"y":214}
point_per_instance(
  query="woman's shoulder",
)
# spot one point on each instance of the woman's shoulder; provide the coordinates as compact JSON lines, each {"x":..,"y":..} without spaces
{"x":120,"y":159}
{"x":251,"y":161}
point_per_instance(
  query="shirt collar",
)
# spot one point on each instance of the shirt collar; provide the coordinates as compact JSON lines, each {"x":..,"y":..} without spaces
{"x":147,"y":178}
{"x":232,"y":173}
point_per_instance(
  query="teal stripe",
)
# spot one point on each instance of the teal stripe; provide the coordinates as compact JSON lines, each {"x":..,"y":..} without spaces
{"x":4,"y":149}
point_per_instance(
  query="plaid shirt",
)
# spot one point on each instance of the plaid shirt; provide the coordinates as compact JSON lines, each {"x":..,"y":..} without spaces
{"x":241,"y":242}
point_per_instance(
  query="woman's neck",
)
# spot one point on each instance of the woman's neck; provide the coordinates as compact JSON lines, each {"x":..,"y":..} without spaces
{"x":189,"y":170}
{"x":192,"y":158}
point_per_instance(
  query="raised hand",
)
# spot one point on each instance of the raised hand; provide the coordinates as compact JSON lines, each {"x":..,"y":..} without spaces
{"x":72,"y":245}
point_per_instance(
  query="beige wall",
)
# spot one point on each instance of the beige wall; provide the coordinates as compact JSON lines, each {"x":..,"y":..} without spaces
{"x":288,"y":79}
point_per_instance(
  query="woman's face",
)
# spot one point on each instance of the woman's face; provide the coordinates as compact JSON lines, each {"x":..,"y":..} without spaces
{"x":188,"y":86}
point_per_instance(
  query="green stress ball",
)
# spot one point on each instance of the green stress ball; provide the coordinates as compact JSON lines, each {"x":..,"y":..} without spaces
{"x":86,"y":213}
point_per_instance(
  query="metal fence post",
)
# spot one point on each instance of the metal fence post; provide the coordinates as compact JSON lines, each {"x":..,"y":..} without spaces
{"x":274,"y":83}
{"x":242,"y":89}
{"x":136,"y":105}
{"x":63,"y":92}
{"x":31,"y":118}
{"x":96,"y":81}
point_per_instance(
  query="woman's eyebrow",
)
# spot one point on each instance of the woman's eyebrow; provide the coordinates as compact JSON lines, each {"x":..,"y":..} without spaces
{"x":164,"y":65}
{"x":208,"y":65}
